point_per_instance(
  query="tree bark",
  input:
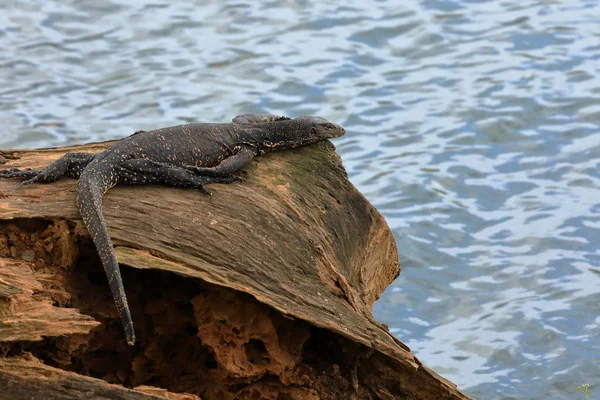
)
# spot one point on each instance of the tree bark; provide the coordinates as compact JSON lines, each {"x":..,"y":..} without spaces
{"x":263,"y":291}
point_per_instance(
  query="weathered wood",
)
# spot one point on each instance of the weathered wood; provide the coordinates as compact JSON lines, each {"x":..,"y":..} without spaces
{"x":30,"y":379}
{"x":27,"y":313}
{"x":295,"y":235}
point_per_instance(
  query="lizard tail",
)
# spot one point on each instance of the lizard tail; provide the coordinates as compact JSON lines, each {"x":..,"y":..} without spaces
{"x":89,"y":202}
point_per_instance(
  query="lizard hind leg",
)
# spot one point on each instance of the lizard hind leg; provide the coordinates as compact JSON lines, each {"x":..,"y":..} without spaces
{"x":71,"y":164}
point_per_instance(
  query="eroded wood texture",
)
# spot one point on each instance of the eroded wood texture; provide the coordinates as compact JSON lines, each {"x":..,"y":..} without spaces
{"x":295,"y":235}
{"x":27,"y":311}
{"x":30,"y":379}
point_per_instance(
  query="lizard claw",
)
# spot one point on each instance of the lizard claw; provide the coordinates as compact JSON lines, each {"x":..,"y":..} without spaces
{"x":28,"y":181}
{"x":206,"y":191}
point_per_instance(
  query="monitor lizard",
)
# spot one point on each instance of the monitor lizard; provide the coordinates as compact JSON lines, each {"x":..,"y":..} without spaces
{"x":191,"y":155}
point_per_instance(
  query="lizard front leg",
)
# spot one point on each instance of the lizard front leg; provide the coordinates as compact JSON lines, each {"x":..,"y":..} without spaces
{"x":71,"y":164}
{"x":141,"y":171}
{"x":229,"y":165}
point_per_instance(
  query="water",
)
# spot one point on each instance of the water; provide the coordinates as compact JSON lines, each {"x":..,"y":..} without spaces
{"x":472,"y":125}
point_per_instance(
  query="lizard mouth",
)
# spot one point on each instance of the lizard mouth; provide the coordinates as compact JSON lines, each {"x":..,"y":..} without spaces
{"x":338,"y":131}
{"x":328,"y":131}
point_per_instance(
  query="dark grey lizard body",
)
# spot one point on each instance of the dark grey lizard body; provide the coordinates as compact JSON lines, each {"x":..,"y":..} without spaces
{"x":187,"y":155}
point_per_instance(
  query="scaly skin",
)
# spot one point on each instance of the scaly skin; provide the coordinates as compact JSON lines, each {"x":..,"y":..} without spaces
{"x":186,"y":155}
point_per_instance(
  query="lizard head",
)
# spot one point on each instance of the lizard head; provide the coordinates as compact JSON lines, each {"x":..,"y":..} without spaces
{"x":290,"y":133}
{"x":321,"y":129}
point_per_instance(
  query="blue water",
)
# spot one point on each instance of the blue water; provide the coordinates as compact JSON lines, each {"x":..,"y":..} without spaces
{"x":473,"y":126}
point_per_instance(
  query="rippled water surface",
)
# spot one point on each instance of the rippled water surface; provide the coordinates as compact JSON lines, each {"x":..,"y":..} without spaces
{"x":472,"y":125}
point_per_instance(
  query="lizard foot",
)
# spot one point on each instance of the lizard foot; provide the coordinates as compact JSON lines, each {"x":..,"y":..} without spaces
{"x":28,"y":181}
{"x":28,"y":173}
{"x":18,"y":173}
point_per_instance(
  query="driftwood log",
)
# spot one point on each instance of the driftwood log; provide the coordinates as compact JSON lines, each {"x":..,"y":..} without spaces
{"x":265,"y":291}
